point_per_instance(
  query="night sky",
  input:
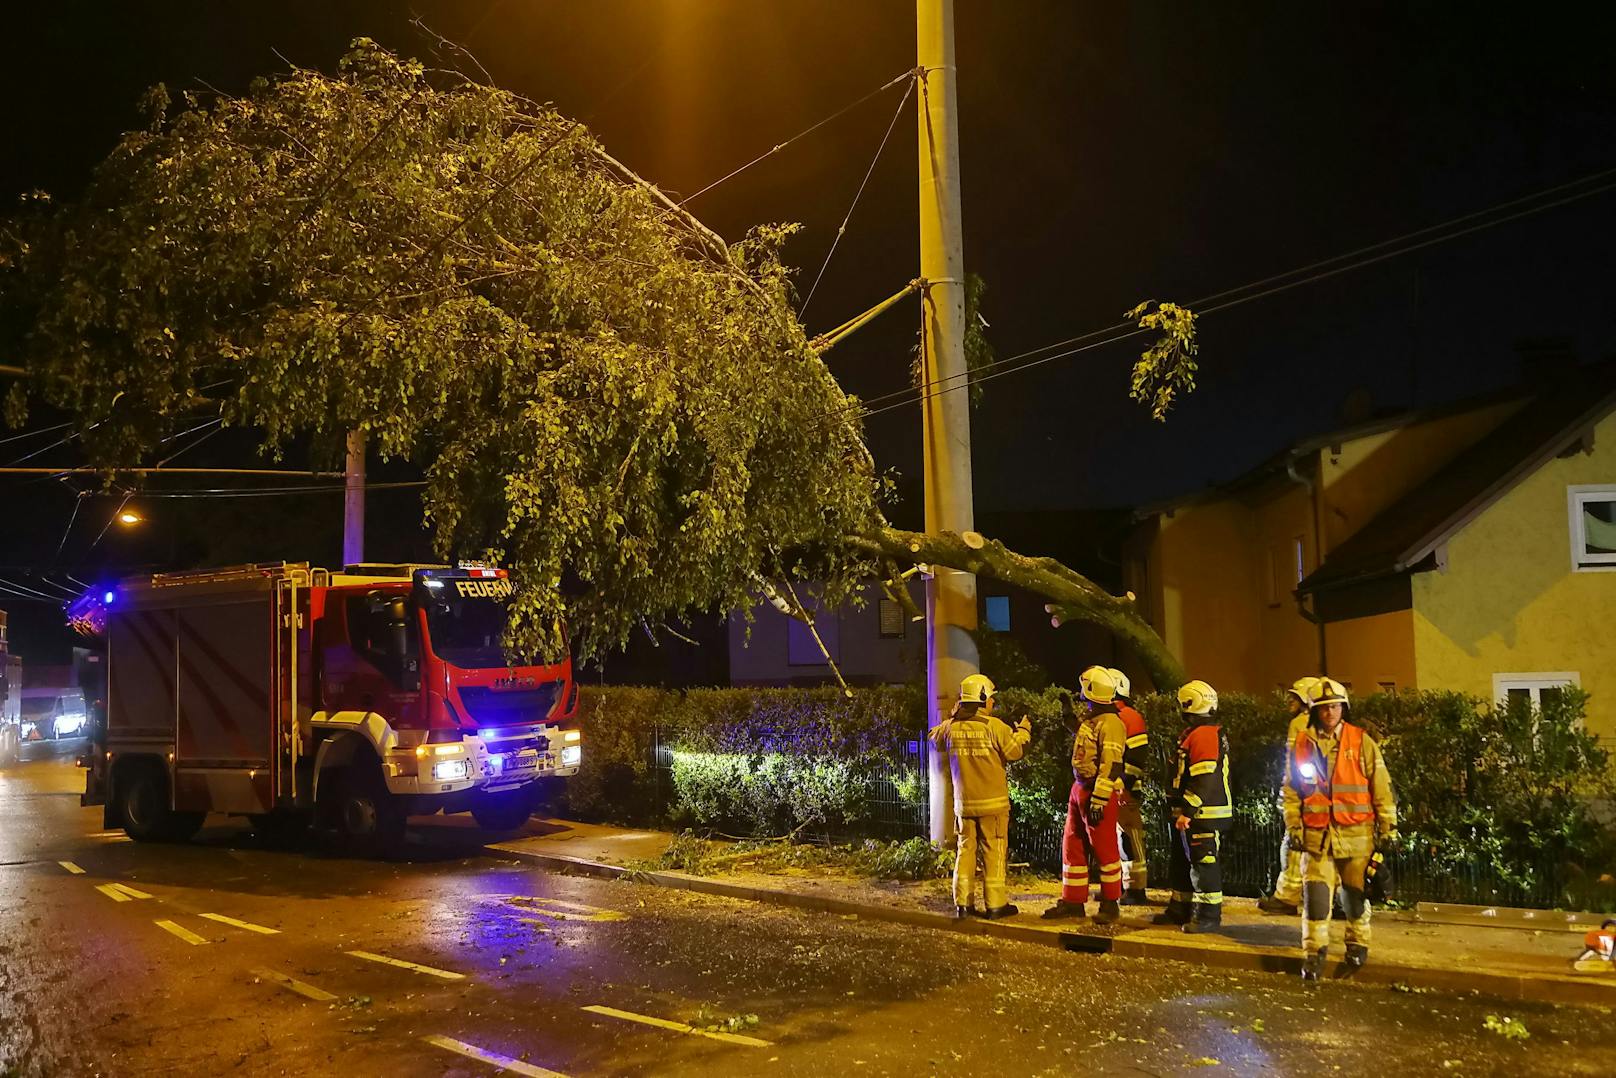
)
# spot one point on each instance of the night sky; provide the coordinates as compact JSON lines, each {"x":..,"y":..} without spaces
{"x":1111,"y":153}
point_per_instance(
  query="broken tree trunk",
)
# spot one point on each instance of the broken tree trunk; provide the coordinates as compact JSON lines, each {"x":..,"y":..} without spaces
{"x":1072,"y":597}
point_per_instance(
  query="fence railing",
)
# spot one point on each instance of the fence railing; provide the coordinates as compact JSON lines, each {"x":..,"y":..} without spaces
{"x":895,"y":802}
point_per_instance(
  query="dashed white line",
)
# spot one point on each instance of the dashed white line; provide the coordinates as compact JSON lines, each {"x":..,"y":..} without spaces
{"x":679,"y":1027}
{"x":71,"y":867}
{"x":182,"y":932}
{"x":291,"y":984}
{"x":430,"y":971}
{"x":248,"y":925}
{"x":493,"y":1059}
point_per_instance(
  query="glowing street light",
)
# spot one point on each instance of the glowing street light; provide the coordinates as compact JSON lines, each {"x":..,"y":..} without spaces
{"x":129,"y":517}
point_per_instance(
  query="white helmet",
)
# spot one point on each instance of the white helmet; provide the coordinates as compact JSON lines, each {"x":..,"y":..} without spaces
{"x":1120,"y":680}
{"x":1327,"y":691}
{"x":1197,"y":698}
{"x":1097,"y":685}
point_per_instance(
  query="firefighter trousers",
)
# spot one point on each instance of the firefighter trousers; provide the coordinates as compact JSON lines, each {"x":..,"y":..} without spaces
{"x":1324,"y":875}
{"x":1133,"y":843}
{"x":1195,"y":870}
{"x":1085,"y":846}
{"x":991,"y":835}
{"x":1293,"y":863}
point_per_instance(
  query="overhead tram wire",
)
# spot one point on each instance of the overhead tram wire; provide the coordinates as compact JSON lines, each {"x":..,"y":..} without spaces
{"x":842,"y":229}
{"x":844,"y":110}
{"x":1124,"y":330}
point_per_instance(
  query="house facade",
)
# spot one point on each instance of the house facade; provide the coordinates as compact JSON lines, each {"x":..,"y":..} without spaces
{"x":1468,"y":550}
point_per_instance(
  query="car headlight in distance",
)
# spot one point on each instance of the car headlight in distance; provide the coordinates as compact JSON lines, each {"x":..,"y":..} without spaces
{"x":449,"y":770}
{"x":571,"y":755}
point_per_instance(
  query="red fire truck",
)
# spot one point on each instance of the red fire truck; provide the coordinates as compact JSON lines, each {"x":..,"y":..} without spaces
{"x":294,"y":695}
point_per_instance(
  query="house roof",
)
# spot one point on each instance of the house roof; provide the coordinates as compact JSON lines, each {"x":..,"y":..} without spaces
{"x":1410,"y":530}
{"x":1279,"y":462}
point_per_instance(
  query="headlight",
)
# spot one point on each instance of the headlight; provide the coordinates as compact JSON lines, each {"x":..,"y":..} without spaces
{"x":572,"y":735}
{"x":449,"y":770}
{"x":571,"y":755}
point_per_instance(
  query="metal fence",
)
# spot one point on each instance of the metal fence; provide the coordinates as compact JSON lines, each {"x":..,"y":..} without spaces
{"x":895,"y":799}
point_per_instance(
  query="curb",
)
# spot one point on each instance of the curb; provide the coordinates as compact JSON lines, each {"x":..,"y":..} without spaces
{"x":1541,"y":988}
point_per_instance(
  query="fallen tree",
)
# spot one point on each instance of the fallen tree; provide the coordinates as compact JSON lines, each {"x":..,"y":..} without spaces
{"x":595,"y":384}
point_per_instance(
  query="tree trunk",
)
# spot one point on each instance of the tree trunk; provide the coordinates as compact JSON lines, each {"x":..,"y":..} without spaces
{"x":1072,"y":597}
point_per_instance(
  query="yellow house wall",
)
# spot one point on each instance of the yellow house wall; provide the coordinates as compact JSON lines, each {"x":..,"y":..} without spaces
{"x":1208,"y":578}
{"x":1288,"y":646}
{"x":1509,"y":601}
{"x":1366,"y":652}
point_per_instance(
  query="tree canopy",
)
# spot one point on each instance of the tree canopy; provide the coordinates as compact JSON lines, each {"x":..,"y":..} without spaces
{"x":596,"y":386}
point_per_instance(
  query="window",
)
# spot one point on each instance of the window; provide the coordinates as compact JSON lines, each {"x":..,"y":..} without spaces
{"x":1386,"y":685}
{"x":1593,"y":527}
{"x":1299,"y":556}
{"x":997,"y":608}
{"x":1533,"y":687}
{"x":891,"y":619}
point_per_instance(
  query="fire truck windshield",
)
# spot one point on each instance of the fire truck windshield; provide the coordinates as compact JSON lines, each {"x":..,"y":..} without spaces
{"x":464,"y":630}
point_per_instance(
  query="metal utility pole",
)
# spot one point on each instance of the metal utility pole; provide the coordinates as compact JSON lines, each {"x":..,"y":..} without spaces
{"x":353,"y":501}
{"x":950,"y":595}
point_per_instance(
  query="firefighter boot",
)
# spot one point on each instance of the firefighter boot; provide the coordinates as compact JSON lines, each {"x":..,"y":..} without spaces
{"x":1176,"y":913}
{"x":1136,"y":897}
{"x":1274,"y":904}
{"x":1009,"y":909}
{"x":1108,"y":912}
{"x":1357,"y":955}
{"x":1063,"y":908}
{"x":1205,"y":918}
{"x":962,"y":912}
{"x":1312,"y":966}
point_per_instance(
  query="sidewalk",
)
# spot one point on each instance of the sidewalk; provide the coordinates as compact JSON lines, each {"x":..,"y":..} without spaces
{"x":1492,"y":957}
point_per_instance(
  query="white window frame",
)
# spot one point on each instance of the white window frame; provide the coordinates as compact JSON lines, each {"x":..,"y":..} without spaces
{"x":1576,"y":495}
{"x":1534,"y":683}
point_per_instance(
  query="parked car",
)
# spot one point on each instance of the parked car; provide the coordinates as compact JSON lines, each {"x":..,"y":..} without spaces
{"x":53,"y":713}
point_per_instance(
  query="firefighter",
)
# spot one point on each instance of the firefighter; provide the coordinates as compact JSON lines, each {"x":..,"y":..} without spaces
{"x":1338,"y":806}
{"x":1134,"y":757}
{"x":1202,"y":809}
{"x":979,"y":744}
{"x":1287,"y":896}
{"x":1091,"y":811}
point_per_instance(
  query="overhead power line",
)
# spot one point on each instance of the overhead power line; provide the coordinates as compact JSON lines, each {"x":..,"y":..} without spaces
{"x":844,"y":110}
{"x":1325,"y":268}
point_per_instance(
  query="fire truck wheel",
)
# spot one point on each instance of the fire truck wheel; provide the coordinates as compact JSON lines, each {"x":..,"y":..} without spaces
{"x":367,"y":816}
{"x":143,"y":801}
{"x":503,"y":811}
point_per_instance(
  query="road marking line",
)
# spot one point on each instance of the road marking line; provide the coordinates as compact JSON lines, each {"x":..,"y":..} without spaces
{"x":130,"y":891}
{"x":291,"y":984}
{"x":248,"y":925}
{"x":112,"y":892}
{"x":679,"y":1027}
{"x":103,"y":834}
{"x":581,"y":911}
{"x":401,"y":964}
{"x":71,"y":867}
{"x":483,"y":1055}
{"x":182,"y":932}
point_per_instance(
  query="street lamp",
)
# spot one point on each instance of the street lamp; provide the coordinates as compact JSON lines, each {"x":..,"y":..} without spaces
{"x":129,"y":517}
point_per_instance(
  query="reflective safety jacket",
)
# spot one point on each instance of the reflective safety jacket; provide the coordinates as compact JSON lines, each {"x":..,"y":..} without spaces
{"x":1338,"y":792}
{"x":1136,"y":750}
{"x":1097,"y":752}
{"x":979,"y":745}
{"x":1201,"y":782}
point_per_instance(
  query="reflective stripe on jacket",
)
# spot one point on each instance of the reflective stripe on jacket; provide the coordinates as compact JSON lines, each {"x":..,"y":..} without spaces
{"x":1339,"y":794}
{"x":1201,"y":785}
{"x":1135,"y":753}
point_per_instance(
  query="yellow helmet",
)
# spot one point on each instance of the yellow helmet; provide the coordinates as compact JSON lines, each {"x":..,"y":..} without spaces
{"x":1302,"y":688}
{"x":1197,"y":698}
{"x":1097,"y":685}
{"x":1120,"y":680}
{"x":976,"y":689}
{"x":1326,"y":691}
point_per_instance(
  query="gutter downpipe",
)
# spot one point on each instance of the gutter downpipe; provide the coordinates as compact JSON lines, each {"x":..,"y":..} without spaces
{"x":1312,"y":489}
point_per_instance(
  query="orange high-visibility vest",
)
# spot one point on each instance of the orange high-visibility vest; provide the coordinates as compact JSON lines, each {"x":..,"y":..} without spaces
{"x":1344,"y":797}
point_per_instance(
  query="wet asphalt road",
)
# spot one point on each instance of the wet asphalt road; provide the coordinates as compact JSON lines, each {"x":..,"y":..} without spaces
{"x":506,"y":959}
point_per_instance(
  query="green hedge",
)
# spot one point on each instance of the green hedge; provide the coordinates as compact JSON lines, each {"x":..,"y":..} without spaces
{"x":1510,"y":793}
